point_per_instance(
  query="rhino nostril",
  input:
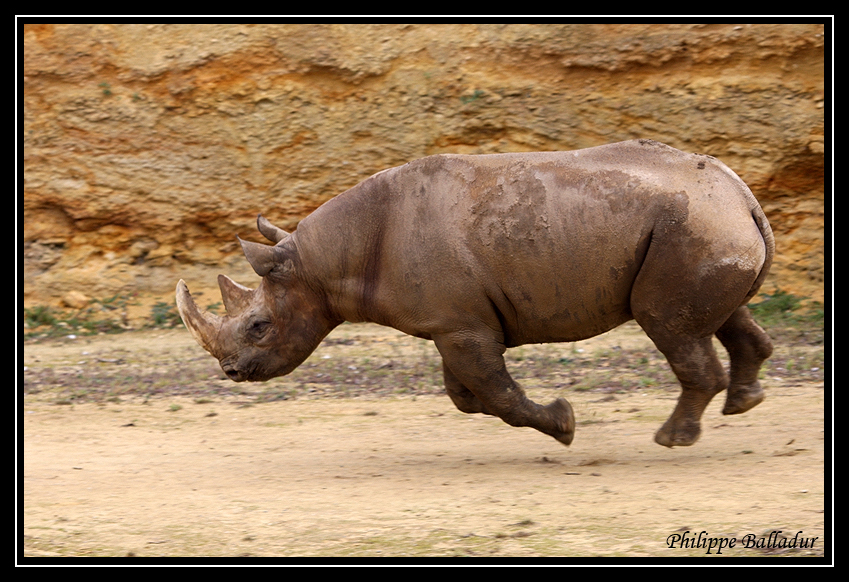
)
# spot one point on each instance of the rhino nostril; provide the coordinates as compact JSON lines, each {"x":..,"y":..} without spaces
{"x":232,"y":373}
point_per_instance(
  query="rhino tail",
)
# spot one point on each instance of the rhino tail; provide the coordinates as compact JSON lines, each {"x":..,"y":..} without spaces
{"x":769,"y":244}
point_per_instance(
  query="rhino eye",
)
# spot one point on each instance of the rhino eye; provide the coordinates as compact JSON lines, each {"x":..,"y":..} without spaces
{"x":259,"y":328}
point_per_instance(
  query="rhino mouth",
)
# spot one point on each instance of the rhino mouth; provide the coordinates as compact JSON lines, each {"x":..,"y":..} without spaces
{"x":251,"y":375}
{"x":232,"y":373}
{"x":255,"y":373}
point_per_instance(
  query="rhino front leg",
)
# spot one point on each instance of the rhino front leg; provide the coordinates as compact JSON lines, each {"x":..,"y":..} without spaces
{"x":477,"y":380}
{"x":462,"y":397}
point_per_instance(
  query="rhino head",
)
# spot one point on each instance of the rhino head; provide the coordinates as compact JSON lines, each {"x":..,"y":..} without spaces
{"x":268,"y":331}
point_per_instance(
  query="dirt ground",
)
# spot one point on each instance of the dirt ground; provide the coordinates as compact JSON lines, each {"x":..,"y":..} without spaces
{"x":136,"y":445}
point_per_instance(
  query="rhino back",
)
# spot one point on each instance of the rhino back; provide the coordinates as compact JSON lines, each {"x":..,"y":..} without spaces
{"x":543,"y":246}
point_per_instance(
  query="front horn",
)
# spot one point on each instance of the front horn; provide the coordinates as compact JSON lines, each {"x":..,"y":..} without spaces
{"x":204,"y":326}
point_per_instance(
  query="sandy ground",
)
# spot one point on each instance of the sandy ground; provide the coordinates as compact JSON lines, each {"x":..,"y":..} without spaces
{"x":135,"y":445}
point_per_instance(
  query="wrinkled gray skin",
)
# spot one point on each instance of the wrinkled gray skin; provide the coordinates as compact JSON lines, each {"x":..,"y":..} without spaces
{"x":481,"y":253}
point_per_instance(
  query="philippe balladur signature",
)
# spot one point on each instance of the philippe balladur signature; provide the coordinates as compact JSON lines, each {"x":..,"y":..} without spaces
{"x":750,"y":541}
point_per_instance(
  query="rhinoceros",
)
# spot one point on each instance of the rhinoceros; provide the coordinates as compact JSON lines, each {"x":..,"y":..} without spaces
{"x":479,"y":253}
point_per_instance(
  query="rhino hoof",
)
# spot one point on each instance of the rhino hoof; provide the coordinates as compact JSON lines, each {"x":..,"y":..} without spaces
{"x":742,"y":398}
{"x":683,"y":436}
{"x":564,"y":419}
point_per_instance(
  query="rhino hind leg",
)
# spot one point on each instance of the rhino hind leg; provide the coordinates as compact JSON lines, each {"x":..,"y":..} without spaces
{"x":700,"y":373}
{"x":477,"y":380}
{"x":689,"y":289}
{"x":748,"y":347}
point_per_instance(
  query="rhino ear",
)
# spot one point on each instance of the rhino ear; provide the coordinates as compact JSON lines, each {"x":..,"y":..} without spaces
{"x":264,"y":258}
{"x":270,"y":231}
{"x":236,"y":297}
{"x":261,"y":257}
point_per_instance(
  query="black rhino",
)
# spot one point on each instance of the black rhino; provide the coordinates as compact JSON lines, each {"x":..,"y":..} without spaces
{"x":481,"y":253}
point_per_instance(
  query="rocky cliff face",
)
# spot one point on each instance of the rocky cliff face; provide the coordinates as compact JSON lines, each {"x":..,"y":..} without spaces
{"x":148,"y":147}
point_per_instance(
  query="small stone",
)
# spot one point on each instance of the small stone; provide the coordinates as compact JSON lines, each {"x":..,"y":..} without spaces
{"x":75,"y":300}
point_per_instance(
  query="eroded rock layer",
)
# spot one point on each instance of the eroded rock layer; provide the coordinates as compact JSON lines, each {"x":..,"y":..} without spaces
{"x":148,"y":148}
